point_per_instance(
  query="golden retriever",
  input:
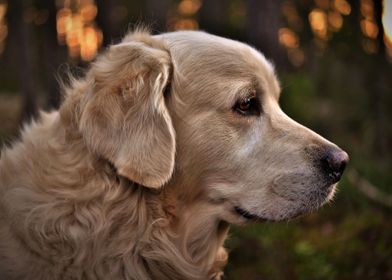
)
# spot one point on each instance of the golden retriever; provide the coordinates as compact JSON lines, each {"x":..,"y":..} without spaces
{"x":164,"y":143}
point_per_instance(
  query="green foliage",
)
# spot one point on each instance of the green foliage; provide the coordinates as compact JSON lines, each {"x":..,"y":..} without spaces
{"x":348,"y":239}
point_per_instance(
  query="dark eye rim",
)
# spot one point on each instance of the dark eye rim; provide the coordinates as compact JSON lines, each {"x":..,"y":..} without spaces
{"x":252,"y":101}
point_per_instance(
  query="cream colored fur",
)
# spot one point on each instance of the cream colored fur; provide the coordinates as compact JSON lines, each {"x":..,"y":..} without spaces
{"x":138,"y":173}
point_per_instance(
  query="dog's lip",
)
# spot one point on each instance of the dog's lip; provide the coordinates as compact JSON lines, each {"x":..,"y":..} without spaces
{"x":247,"y":215}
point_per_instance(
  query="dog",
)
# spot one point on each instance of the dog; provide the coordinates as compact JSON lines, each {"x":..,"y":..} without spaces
{"x":166,"y":141}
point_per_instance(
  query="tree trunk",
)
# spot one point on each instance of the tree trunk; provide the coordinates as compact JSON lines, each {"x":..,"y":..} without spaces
{"x":25,"y":51}
{"x":263,"y":23}
{"x":105,"y":22}
{"x":381,"y":84}
{"x":213,"y":16}
{"x":157,"y":12}
{"x":54,"y":56}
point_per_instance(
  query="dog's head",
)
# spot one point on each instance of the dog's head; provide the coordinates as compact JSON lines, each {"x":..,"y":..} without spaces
{"x":207,"y":107}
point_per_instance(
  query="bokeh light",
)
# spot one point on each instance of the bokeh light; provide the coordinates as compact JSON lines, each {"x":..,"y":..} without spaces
{"x":288,"y":38}
{"x":342,"y":6}
{"x":185,"y":16}
{"x":335,"y":21}
{"x":76,"y":28}
{"x":3,"y":25}
{"x":318,"y":23}
{"x":368,"y":26}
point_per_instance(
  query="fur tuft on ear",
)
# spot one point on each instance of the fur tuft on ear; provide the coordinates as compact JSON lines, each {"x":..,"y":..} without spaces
{"x":124,"y":117}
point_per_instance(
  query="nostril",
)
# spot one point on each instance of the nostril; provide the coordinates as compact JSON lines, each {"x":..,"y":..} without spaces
{"x":334,"y":162}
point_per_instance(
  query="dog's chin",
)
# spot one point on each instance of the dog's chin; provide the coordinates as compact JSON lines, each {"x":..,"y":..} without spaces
{"x":292,"y":209}
{"x":246,"y":216}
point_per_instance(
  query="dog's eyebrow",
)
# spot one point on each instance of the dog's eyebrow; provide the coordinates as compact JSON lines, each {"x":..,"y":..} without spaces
{"x":262,"y":85}
{"x":252,"y":85}
{"x":258,"y":87}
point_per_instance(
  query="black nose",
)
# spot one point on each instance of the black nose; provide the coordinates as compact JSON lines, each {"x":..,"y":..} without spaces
{"x":334,"y":162}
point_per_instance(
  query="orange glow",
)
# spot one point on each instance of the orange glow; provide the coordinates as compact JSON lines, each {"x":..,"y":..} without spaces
{"x":3,"y":26}
{"x":76,"y":28}
{"x":91,"y":39}
{"x":342,"y":6}
{"x":3,"y":10}
{"x":335,"y":21}
{"x":369,"y":28}
{"x":184,"y":16}
{"x":64,"y":3}
{"x":288,"y":38}
{"x":73,"y":51}
{"x":186,"y":24}
{"x":318,"y":23}
{"x":189,"y":7}
{"x":367,"y":9}
{"x":75,"y":31}
{"x":88,"y":12}
{"x":322,"y":4}
{"x":63,"y":24}
{"x":388,"y":49}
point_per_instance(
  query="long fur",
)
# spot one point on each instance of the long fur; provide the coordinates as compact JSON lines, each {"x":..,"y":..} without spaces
{"x":139,"y":173}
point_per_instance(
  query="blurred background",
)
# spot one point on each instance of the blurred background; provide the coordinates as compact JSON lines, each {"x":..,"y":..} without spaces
{"x":334,"y":58}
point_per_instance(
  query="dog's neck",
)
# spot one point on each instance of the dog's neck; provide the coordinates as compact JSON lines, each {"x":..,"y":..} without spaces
{"x":200,"y":233}
{"x":191,"y":225}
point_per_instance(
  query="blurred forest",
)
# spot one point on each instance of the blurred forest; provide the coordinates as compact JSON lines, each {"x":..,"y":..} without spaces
{"x":334,"y":58}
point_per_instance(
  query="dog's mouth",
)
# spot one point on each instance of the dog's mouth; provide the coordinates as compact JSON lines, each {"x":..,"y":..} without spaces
{"x":248,"y":216}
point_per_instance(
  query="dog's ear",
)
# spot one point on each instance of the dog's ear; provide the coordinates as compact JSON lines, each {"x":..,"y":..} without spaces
{"x":124,"y":118}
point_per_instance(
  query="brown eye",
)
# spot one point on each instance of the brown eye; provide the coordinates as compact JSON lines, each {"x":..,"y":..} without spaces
{"x":248,"y":106}
{"x":245,"y":104}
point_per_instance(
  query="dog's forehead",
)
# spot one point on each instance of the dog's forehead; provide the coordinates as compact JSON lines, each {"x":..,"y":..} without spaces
{"x":201,"y":55}
{"x":183,"y":44}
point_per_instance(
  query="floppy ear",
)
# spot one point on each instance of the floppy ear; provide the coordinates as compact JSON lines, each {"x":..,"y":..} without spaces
{"x":124,"y":118}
